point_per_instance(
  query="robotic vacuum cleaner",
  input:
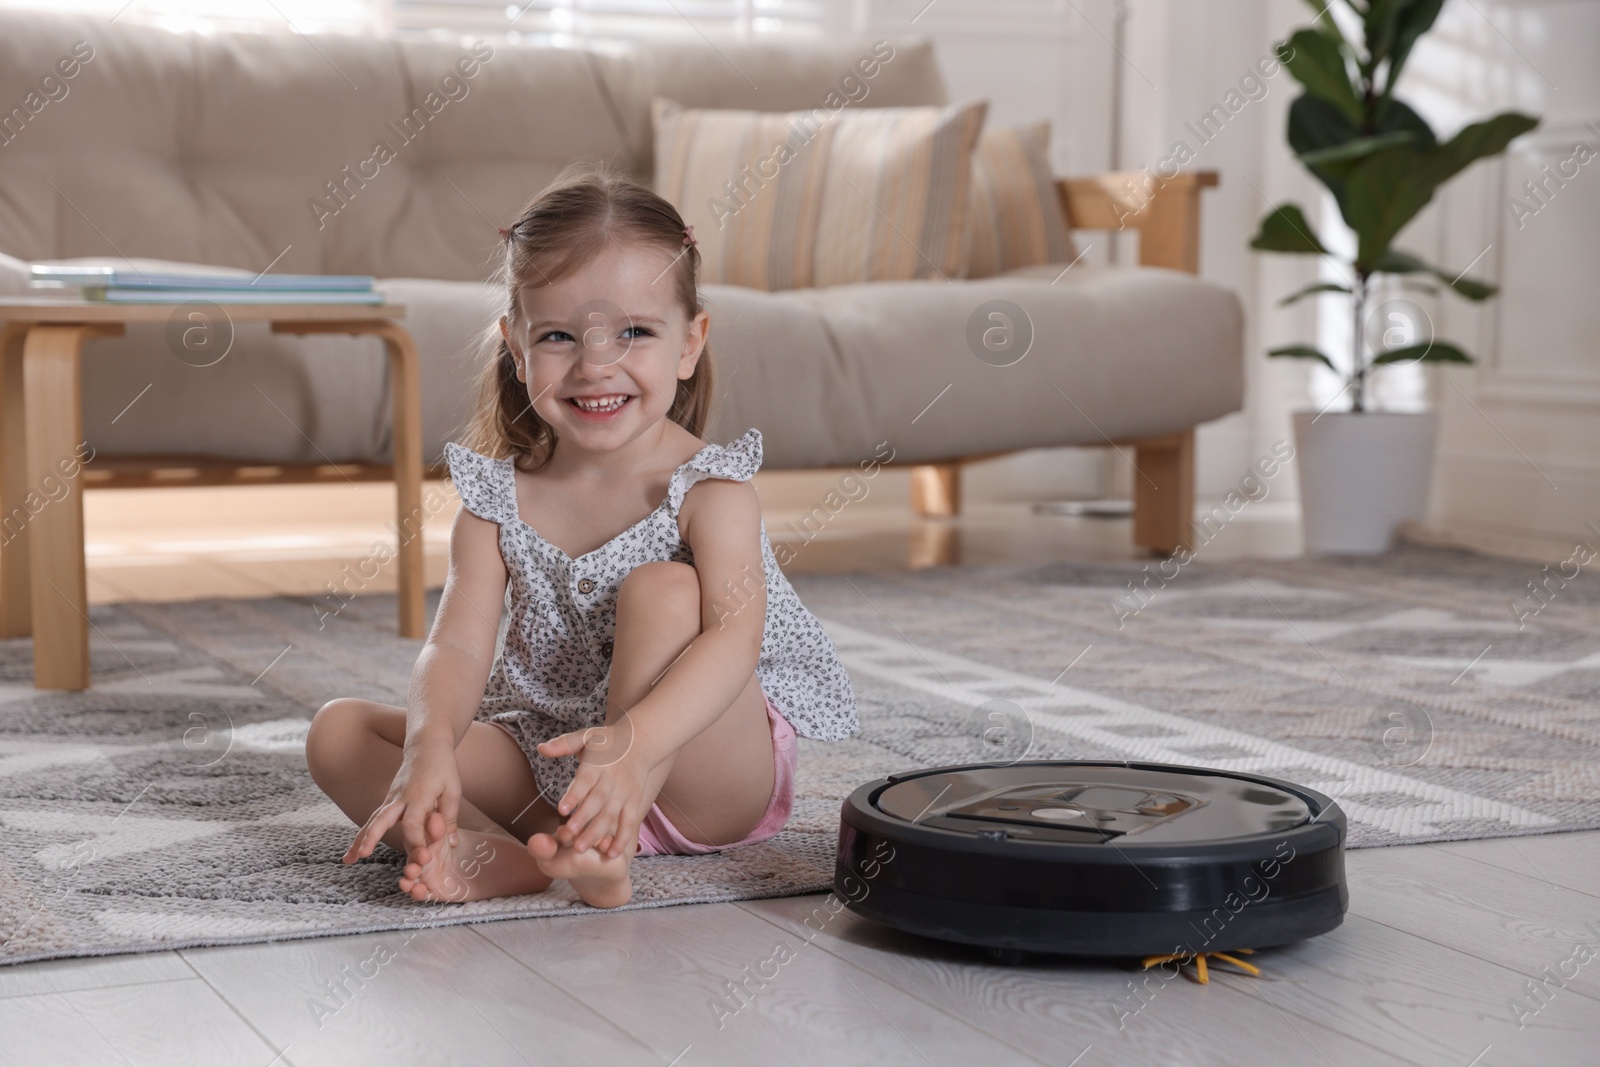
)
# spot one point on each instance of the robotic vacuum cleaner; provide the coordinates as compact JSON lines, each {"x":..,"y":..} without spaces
{"x":1093,"y":858}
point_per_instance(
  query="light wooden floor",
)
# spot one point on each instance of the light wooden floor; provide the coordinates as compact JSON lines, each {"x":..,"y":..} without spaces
{"x":1439,"y":941}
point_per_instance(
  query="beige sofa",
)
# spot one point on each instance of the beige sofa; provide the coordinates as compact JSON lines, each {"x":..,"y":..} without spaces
{"x":258,"y":151}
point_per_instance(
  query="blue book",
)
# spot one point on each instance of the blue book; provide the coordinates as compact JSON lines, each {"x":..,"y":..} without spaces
{"x":130,"y":278}
{"x":233,"y":296}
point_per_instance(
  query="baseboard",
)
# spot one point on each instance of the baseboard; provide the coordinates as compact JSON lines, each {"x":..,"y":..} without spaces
{"x":1527,"y":548}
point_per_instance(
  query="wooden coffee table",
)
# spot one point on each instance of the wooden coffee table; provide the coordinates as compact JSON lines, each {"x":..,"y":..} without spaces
{"x":43,"y":583}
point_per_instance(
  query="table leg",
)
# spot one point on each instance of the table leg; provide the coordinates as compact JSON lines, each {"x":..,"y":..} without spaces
{"x":15,"y":603}
{"x":51,"y":387}
{"x":406,"y":385}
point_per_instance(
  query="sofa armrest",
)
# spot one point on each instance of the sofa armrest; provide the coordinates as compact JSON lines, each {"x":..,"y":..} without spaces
{"x":14,"y":277}
{"x":1165,"y":211}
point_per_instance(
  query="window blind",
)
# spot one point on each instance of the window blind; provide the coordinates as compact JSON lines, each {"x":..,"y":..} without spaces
{"x":563,"y":21}
{"x":552,"y":21}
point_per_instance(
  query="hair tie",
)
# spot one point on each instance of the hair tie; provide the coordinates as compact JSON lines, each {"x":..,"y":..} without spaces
{"x":688,"y":236}
{"x":505,"y":234}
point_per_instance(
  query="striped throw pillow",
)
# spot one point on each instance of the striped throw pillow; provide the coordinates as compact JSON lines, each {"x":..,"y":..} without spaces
{"x":812,"y":198}
{"x":1017,"y":219}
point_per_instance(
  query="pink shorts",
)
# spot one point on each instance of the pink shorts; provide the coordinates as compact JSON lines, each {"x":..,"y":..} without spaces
{"x":657,"y":835}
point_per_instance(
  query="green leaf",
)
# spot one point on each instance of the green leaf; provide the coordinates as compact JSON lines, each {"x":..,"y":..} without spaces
{"x":1393,"y":115}
{"x":1479,"y":140}
{"x":1356,"y":149}
{"x":1286,"y":230}
{"x":1415,"y":20}
{"x":1319,"y":132}
{"x":1384,"y":191}
{"x":1470,"y":288}
{"x":1318,"y":64}
{"x":1437,"y":352}
{"x":1382,"y":18}
{"x":1315,"y":126}
{"x":1394,"y":261}
{"x":1319,"y":287}
{"x":1302,"y":352}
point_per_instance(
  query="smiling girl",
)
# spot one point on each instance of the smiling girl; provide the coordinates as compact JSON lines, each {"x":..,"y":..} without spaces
{"x":656,"y":664}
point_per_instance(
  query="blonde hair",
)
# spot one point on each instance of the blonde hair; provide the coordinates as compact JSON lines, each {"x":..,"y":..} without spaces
{"x":586,"y":209}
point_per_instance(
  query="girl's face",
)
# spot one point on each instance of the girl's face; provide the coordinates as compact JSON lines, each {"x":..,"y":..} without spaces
{"x":602,"y":350}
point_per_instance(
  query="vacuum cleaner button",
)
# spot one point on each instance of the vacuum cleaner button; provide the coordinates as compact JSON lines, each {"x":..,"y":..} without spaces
{"x":1056,"y":814}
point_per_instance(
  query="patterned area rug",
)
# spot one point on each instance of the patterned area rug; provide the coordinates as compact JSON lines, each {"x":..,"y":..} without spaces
{"x":1426,"y":691}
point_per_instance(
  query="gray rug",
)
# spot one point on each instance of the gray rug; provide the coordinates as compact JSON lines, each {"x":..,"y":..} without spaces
{"x":169,"y":806}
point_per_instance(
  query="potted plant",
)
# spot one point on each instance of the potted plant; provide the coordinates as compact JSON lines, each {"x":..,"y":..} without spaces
{"x":1362,"y":472}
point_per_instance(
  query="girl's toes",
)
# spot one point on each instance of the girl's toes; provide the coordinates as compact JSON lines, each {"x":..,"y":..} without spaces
{"x":542,"y":846}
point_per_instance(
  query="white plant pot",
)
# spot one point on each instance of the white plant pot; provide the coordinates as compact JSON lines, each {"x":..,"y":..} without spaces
{"x":1362,"y":475}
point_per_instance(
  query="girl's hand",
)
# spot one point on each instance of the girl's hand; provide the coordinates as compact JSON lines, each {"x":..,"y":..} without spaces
{"x":610,"y":794}
{"x":428,"y":780}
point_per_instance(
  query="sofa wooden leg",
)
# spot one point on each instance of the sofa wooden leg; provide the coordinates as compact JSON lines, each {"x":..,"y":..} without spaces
{"x":1163,"y":491}
{"x":936,"y":490}
{"x":16,"y":611}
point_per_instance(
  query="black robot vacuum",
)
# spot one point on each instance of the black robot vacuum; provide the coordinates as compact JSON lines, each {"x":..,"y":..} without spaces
{"x":1092,"y":858}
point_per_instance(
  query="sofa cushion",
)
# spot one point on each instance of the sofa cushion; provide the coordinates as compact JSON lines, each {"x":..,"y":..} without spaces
{"x":1016,"y":218}
{"x":761,"y":76}
{"x":829,"y":374}
{"x":786,"y":200}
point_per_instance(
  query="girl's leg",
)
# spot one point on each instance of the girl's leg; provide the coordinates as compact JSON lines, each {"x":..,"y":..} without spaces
{"x":354,"y":749}
{"x":715,"y":788}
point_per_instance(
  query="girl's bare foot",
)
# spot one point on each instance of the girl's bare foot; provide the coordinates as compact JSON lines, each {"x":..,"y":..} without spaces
{"x":482,"y":864}
{"x":602,"y":882}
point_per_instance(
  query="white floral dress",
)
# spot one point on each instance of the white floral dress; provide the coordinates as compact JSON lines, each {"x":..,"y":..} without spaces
{"x":554,"y":663}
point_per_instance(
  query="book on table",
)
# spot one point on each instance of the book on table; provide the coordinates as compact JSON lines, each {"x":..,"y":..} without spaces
{"x":131,"y":285}
{"x":234,"y":296}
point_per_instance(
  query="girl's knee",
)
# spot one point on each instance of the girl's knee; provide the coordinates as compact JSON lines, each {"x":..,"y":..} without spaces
{"x":331,"y":729}
{"x":661,"y":584}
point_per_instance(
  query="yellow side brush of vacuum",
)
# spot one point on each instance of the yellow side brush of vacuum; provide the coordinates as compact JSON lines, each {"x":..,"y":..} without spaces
{"x":1200,"y":962}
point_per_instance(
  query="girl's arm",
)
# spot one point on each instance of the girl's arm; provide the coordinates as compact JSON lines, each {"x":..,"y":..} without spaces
{"x":446,"y":689}
{"x":448,"y":681}
{"x":721,"y":522}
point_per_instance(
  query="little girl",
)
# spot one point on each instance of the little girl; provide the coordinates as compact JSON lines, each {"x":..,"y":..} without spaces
{"x":656,"y":664}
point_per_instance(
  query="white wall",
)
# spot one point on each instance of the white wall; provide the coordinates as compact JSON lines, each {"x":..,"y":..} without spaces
{"x":1518,"y":463}
{"x":1184,"y":58}
{"x":1055,"y":59}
